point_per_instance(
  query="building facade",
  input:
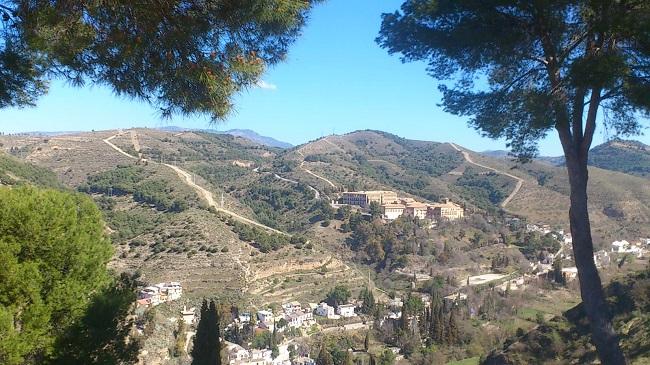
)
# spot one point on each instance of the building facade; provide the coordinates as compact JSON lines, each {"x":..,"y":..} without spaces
{"x":446,"y":211}
{"x":364,"y":198}
{"x":392,"y":211}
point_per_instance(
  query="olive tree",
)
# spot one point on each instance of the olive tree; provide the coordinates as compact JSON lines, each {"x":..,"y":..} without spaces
{"x":522,"y":69}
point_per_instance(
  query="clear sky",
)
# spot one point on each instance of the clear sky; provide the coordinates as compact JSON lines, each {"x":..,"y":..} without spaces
{"x":335,"y":80}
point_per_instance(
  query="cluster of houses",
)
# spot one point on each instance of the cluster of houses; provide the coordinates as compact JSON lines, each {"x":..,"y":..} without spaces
{"x":154,"y":295}
{"x":638,"y":248}
{"x":296,"y":316}
{"x":393,"y":207}
{"x":237,"y":355}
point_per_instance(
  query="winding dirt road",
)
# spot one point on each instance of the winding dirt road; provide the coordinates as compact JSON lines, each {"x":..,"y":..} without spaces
{"x":519,"y":180}
{"x":207,"y":195}
{"x":312,"y":173}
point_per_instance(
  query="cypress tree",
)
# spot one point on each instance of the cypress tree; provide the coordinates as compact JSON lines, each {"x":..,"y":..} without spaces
{"x":207,"y":343}
{"x":324,"y":357}
{"x":366,"y":341}
{"x":452,"y":330}
{"x":201,"y":341}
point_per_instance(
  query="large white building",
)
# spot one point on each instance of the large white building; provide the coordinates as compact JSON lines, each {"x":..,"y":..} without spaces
{"x":364,"y":198}
{"x":392,"y":211}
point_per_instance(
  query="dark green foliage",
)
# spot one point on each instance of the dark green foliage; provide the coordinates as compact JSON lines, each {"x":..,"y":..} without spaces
{"x":133,"y":180}
{"x":104,"y":335}
{"x":53,"y":255}
{"x":318,"y":158}
{"x":132,"y":223}
{"x":386,"y":358}
{"x":265,"y":242}
{"x":15,"y":172}
{"x":281,"y":207}
{"x":453,"y":334}
{"x":485,"y":190}
{"x":182,"y":59}
{"x":324,"y":357}
{"x":261,"y":340}
{"x":338,"y":295}
{"x":558,"y":275}
{"x":532,"y":243}
{"x":368,"y":305}
{"x":386,"y":244}
{"x":207,"y":344}
{"x":119,"y":181}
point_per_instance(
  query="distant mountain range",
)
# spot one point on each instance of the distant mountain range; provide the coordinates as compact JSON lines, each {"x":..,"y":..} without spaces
{"x":243,"y":133}
{"x":627,"y":156}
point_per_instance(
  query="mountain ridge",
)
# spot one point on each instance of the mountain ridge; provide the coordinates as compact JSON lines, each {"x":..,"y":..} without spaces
{"x":243,"y":133}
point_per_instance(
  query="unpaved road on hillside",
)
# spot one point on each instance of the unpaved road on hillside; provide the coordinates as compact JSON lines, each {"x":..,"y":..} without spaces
{"x":316,"y":192}
{"x":519,"y":180}
{"x":312,"y":173}
{"x":207,"y":195}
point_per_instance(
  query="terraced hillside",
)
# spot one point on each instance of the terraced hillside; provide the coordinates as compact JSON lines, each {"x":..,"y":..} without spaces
{"x":288,"y":190}
{"x":619,"y":202}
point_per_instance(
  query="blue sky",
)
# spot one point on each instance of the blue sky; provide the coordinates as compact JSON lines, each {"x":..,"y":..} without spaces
{"x":335,"y":80}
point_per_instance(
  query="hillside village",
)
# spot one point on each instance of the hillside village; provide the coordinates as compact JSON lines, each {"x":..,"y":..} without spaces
{"x":493,"y":271}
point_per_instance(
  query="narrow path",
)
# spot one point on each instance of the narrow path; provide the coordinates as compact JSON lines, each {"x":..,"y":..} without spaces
{"x":312,"y":173}
{"x":316,"y":192}
{"x":519,"y":180}
{"x":207,"y":195}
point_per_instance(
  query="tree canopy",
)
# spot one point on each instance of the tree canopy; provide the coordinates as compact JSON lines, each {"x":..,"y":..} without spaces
{"x":53,"y":255}
{"x":524,"y":68}
{"x":183,"y":57}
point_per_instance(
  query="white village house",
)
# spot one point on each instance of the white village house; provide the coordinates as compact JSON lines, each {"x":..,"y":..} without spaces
{"x":346,"y":310}
{"x":324,"y":310}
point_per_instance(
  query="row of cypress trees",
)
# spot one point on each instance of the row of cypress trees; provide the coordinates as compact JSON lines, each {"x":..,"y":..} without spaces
{"x":207,"y":342}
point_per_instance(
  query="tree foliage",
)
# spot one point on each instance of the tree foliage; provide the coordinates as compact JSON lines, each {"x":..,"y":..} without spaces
{"x":184,"y":57}
{"x":207,"y":344}
{"x":53,"y":255}
{"x":540,"y":60}
{"x":523,"y":69}
{"x":104,"y":334}
{"x":338,"y":295}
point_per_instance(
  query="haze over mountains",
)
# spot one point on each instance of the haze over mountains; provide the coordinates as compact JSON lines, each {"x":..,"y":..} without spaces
{"x":244,"y":133}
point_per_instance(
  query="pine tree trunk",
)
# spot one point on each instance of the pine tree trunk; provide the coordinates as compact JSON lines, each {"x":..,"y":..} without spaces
{"x":591,"y":290}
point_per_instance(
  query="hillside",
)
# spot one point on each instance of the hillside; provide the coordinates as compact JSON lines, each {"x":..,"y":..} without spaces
{"x":161,"y":225}
{"x":253,"y":225}
{"x":565,"y":339}
{"x":377,"y":160}
{"x":243,"y":133}
{"x":630,"y":157}
{"x":627,"y":156}
{"x":14,"y":171}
